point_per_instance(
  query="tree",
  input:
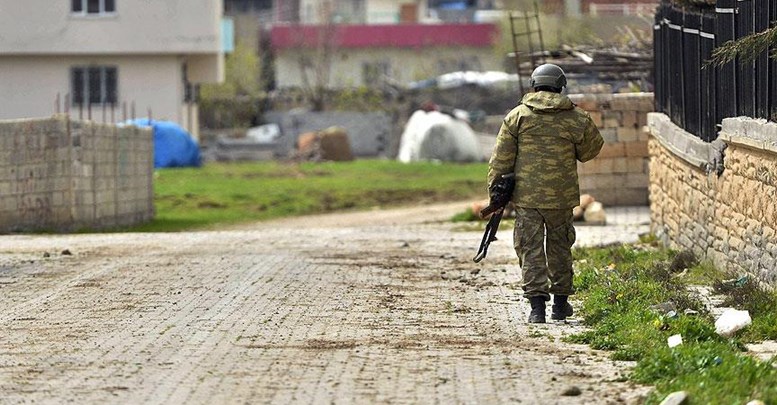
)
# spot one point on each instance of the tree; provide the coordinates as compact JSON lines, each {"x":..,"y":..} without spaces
{"x":316,"y":47}
{"x":242,"y":72}
{"x":747,"y":49}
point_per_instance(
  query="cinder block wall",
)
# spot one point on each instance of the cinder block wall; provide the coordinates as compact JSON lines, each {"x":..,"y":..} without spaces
{"x":61,"y":175}
{"x":619,"y":175}
{"x":730,"y":218}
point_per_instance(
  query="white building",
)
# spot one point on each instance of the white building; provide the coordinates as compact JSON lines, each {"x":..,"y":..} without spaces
{"x":95,"y":53}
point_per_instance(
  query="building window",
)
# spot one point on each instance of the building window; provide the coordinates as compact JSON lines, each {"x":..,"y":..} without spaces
{"x":94,"y":85}
{"x":93,"y":6}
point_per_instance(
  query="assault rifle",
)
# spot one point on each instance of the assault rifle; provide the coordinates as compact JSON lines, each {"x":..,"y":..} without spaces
{"x":500,"y":193}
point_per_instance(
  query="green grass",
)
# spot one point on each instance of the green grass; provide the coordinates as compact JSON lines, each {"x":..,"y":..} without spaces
{"x":618,"y":285}
{"x":219,"y":194}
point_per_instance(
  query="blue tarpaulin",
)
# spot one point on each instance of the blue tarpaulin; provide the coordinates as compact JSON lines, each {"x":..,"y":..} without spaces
{"x":173,"y":146}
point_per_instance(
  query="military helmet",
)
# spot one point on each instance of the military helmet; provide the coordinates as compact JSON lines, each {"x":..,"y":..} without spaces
{"x":548,"y":75}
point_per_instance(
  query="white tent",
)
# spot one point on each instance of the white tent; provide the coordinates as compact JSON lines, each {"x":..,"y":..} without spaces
{"x":437,"y":136}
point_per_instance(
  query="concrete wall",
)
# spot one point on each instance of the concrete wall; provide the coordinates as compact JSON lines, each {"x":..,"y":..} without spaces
{"x":30,"y":84}
{"x":619,"y":175}
{"x":717,"y":199}
{"x":370,"y":134}
{"x":61,"y":175}
{"x":137,"y":26}
{"x":405,"y":65}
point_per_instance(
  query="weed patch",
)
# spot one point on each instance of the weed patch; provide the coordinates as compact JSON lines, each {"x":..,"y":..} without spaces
{"x":635,"y":297}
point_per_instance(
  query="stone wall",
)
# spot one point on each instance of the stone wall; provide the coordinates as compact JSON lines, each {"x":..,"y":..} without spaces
{"x":619,"y":175}
{"x":717,"y":199}
{"x":63,"y":175}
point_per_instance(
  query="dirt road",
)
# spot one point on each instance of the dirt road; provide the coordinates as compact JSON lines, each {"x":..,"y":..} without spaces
{"x":361,"y":308}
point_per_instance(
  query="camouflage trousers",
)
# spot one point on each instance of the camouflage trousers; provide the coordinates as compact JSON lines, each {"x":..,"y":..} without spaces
{"x":543,"y":241}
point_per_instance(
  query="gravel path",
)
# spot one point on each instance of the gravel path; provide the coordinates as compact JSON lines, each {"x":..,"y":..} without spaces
{"x":378,"y":307}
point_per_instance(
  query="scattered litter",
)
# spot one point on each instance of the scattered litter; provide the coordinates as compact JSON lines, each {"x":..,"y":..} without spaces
{"x":671,"y":314}
{"x":675,"y":398}
{"x":731,"y":321}
{"x":690,"y":312}
{"x":756,"y":402}
{"x":735,"y":282}
{"x":674,"y":340}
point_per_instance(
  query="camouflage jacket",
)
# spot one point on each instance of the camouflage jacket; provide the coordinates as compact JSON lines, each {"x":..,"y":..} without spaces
{"x":541,"y":140}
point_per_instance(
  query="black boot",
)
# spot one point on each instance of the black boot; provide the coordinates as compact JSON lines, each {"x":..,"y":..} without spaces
{"x":561,"y":308}
{"x":537,"y":314}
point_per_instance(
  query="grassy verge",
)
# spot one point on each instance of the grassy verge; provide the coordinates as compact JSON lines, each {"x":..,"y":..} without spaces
{"x":619,"y":287}
{"x":218,"y":194}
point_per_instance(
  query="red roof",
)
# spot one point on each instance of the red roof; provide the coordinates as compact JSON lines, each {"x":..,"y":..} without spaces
{"x":385,"y":36}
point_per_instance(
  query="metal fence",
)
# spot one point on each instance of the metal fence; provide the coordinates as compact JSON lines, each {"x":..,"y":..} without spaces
{"x":697,"y":95}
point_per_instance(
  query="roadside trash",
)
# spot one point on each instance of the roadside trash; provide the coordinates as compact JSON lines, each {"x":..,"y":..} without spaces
{"x":690,"y":312}
{"x":675,"y":398}
{"x":735,"y":282}
{"x":671,"y":314}
{"x":756,"y":402}
{"x":717,"y":360}
{"x":731,"y":321}
{"x":674,"y":340}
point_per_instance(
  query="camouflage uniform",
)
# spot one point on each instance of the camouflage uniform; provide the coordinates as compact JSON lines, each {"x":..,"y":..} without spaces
{"x":541,"y":141}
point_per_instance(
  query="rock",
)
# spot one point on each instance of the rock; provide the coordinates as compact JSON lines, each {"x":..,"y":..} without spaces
{"x":329,"y":144}
{"x":46,"y":254}
{"x":595,"y":213}
{"x":675,"y":398}
{"x":577,"y":213}
{"x":571,"y":391}
{"x":585,"y":201}
{"x":335,"y":145}
{"x":67,"y":252}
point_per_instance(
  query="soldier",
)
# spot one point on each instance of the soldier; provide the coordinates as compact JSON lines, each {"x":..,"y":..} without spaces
{"x":541,"y":141}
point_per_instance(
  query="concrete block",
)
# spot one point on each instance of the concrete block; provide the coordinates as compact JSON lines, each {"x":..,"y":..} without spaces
{"x":636,"y":180}
{"x":636,"y":149}
{"x":610,"y":135}
{"x":596,"y":116}
{"x":619,"y":165}
{"x":637,"y":165}
{"x":611,"y":123}
{"x":627,"y":134}
{"x":629,"y":119}
{"x":611,"y":150}
{"x":597,"y":166}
